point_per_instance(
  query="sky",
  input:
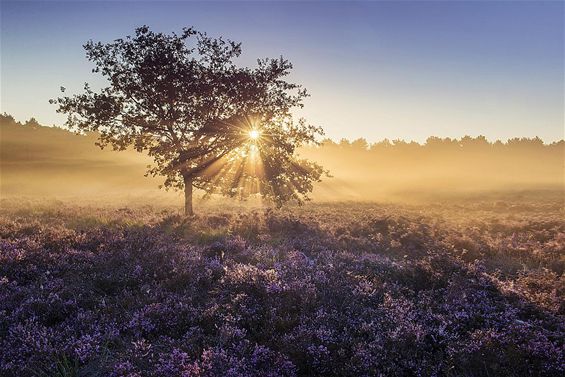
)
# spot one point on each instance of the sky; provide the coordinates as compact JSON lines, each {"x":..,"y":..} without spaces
{"x":396,"y":70}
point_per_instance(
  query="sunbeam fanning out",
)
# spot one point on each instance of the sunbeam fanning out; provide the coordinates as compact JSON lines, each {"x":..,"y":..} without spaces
{"x":257,"y":158}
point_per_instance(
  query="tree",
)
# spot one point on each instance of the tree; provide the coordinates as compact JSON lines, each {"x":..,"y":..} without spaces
{"x":206,"y":122}
{"x":360,"y":144}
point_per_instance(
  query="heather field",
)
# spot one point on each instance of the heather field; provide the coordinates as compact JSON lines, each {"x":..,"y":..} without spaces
{"x":453,"y":287}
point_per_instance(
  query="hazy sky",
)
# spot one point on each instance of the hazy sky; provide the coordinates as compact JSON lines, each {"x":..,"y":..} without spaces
{"x":374,"y":69}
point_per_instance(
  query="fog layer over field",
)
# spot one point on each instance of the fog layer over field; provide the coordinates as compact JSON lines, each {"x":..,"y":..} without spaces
{"x":46,"y":161}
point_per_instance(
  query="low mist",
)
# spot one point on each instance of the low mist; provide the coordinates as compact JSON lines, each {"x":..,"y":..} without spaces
{"x":40,"y":161}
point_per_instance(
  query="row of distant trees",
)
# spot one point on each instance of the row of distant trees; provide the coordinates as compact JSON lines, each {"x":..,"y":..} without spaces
{"x":467,"y":143}
{"x":366,"y":170}
{"x":358,"y":169}
{"x":479,"y":143}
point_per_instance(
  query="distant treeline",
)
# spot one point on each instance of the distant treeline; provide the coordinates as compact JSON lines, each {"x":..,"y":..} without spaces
{"x":438,"y":166}
{"x":467,"y":143}
{"x":51,"y":160}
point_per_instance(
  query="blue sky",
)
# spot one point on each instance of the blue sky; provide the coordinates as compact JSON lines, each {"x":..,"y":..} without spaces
{"x":377,"y":70}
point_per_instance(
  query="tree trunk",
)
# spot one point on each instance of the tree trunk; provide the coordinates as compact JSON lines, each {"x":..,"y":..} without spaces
{"x":188,"y":195}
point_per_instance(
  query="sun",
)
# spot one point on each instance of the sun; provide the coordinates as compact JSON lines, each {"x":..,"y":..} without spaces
{"x":254,"y":134}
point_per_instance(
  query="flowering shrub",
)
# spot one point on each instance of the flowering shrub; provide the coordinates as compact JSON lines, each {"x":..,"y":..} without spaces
{"x":328,"y":290}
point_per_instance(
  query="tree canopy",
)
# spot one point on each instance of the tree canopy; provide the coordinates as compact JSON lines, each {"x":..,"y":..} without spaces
{"x":205,"y":121}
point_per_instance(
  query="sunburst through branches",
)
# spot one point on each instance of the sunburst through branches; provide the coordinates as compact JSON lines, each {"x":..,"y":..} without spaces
{"x":240,"y":171}
{"x":254,"y":164}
